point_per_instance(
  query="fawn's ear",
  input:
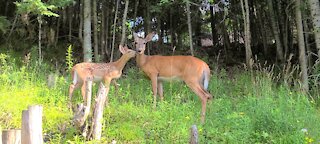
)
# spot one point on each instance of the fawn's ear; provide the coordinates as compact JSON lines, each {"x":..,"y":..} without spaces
{"x":150,"y":36}
{"x":122,"y":49}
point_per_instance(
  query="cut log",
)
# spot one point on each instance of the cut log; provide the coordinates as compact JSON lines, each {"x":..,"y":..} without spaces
{"x":193,"y":135}
{"x":82,"y":111}
{"x":11,"y":136}
{"x":98,"y":111}
{"x":32,"y":125}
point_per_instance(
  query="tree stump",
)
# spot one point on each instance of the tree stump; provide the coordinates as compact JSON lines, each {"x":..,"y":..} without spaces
{"x":193,"y":135}
{"x":98,"y":111}
{"x":51,"y":80}
{"x":11,"y":136}
{"x":0,"y":135}
{"x":82,"y":111}
{"x":32,"y":125}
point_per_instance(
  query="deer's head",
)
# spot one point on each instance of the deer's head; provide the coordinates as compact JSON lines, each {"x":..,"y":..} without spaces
{"x":126,"y":51}
{"x":140,"y":43}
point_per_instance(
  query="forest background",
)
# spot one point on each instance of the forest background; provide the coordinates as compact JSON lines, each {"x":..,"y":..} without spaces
{"x":264,"y":58}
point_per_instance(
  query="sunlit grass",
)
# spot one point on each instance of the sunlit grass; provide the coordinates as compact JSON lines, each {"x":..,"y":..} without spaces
{"x":245,"y":109}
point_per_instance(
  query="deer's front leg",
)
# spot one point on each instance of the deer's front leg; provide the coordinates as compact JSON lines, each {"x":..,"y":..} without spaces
{"x":160,"y":89}
{"x":71,"y":90}
{"x":154,"y":82}
{"x":83,"y":91}
{"x":106,"y":83}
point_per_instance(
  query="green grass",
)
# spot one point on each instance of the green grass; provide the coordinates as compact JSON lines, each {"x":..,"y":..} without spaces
{"x":245,"y":109}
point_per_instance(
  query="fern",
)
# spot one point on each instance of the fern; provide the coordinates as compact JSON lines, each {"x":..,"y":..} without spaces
{"x":69,"y":59}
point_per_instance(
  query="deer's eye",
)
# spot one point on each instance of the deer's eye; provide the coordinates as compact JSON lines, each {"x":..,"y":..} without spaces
{"x":144,"y":43}
{"x":135,"y":43}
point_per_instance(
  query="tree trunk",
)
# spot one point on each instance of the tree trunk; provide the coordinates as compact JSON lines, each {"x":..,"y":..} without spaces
{"x":124,"y":20}
{"x":107,"y":34}
{"x":159,"y":31}
{"x":102,"y":31}
{"x":57,"y":32}
{"x":114,"y":29}
{"x":147,"y":21}
{"x":262,"y":31}
{"x":213,"y":27}
{"x":302,"y":55}
{"x":306,"y":35}
{"x":70,"y":14}
{"x":135,"y":9}
{"x":172,"y":33}
{"x":189,"y":27}
{"x":197,"y":28}
{"x":226,"y":40}
{"x":95,"y":31}
{"x":315,"y":12}
{"x":276,"y":30}
{"x":81,"y":22}
{"x":87,"y":47}
{"x":281,"y":19}
{"x":39,"y":38}
{"x":245,"y":12}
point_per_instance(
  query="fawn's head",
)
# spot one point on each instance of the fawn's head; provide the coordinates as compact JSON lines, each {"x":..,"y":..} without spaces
{"x":126,"y":51}
{"x":140,"y":43}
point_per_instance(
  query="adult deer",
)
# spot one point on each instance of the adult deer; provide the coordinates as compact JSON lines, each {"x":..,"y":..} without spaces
{"x":193,"y":71}
{"x":98,"y":72}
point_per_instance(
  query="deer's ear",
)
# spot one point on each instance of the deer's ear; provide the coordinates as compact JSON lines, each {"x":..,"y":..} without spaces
{"x":150,"y":36}
{"x":135,"y":36}
{"x":122,"y":49}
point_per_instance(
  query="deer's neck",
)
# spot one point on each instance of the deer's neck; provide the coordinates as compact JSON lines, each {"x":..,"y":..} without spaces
{"x":141,"y":59}
{"x":120,"y":63}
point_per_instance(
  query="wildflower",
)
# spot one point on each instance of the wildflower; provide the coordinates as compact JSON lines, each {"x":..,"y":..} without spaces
{"x":241,"y":113}
{"x":304,"y":130}
{"x":309,"y":139}
{"x":187,"y":117}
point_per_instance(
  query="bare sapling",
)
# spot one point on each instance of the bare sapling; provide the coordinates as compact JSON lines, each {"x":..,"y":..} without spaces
{"x":193,"y":71}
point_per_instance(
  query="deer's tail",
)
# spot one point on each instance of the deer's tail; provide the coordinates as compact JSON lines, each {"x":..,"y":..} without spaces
{"x":206,"y":78}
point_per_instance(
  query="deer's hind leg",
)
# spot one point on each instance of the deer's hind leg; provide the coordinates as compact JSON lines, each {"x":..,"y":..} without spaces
{"x":202,"y":94}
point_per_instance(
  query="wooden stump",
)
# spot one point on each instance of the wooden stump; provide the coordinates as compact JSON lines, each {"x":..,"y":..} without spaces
{"x":32,"y":125}
{"x":51,"y":80}
{"x":0,"y":135}
{"x":193,"y":135}
{"x":83,"y":110}
{"x":11,"y":136}
{"x":98,"y":111}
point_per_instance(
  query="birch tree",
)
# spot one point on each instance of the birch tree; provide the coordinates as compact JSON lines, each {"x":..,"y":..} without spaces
{"x":302,"y":54}
{"x":114,"y":29}
{"x":315,"y":12}
{"x":189,"y":27}
{"x":245,"y":12}
{"x":87,"y":47}
{"x":124,"y":20}
{"x":95,"y":31}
